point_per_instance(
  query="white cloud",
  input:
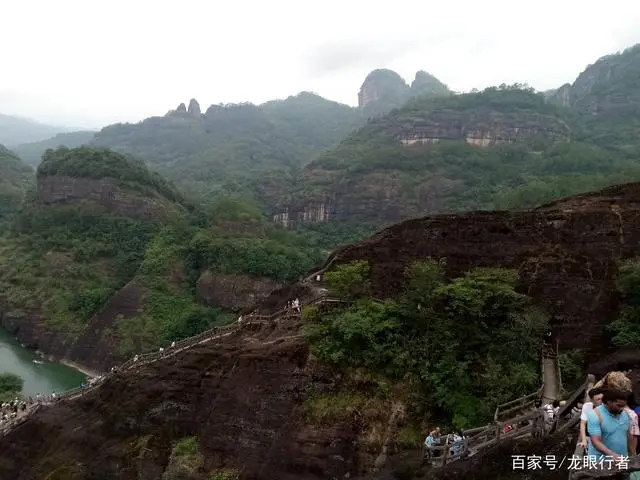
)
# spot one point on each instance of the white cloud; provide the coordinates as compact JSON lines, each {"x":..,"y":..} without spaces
{"x":92,"y":63}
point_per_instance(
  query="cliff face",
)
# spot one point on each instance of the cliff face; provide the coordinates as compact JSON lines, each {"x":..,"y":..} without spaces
{"x":105,"y":192}
{"x":383,"y":90}
{"x":607,"y":89}
{"x":425,"y":157}
{"x":241,"y":396}
{"x":233,"y":292}
{"x":566,"y":253}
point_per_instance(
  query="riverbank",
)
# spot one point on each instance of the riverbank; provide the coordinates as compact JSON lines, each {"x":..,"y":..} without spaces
{"x":81,"y":368}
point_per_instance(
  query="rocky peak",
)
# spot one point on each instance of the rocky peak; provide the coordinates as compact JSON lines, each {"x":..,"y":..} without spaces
{"x":381,"y":91}
{"x":181,"y":111}
{"x":194,"y":108}
{"x":426,"y":84}
{"x":608,"y":88}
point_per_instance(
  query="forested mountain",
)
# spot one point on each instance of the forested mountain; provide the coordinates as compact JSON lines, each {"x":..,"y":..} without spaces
{"x":15,"y":178}
{"x":106,"y":257}
{"x":506,"y":147}
{"x":17,"y":130}
{"x":233,"y":143}
{"x":31,"y":153}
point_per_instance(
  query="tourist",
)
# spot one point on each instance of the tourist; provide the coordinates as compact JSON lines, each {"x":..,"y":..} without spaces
{"x":432,"y":440}
{"x":610,"y":427}
{"x":173,"y":344}
{"x":633,"y":418}
{"x":551,"y":412}
{"x":296,"y":305}
{"x":595,"y":395}
{"x":457,"y":444}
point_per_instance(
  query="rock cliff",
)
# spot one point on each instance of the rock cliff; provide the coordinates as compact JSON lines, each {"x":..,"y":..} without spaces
{"x":383,"y":90}
{"x":566,"y":253}
{"x":607,"y":89}
{"x":106,"y":192}
{"x":241,"y":396}
{"x":425,"y":157}
{"x":233,"y":292}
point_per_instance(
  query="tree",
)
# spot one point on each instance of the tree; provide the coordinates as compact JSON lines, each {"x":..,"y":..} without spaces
{"x":10,"y":386}
{"x":350,"y":280}
{"x":626,"y":328}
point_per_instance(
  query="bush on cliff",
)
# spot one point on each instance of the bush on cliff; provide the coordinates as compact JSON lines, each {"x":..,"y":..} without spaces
{"x":10,"y":386}
{"x":626,"y":328}
{"x":462,"y":346}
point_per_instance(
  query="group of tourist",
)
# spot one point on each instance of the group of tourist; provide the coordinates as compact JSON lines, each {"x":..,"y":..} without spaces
{"x":609,"y":422}
{"x":10,"y":410}
{"x":454,"y":442}
{"x":609,"y":426}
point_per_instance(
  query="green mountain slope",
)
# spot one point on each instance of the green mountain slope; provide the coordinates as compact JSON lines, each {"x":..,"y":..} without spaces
{"x":17,"y":130}
{"x":504,"y":147}
{"x":106,"y":258}
{"x":31,"y":153}
{"x":233,"y":143}
{"x":607,"y":98}
{"x":15,"y":178}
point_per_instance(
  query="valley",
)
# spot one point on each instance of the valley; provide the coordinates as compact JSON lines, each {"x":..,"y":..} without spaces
{"x":459,"y":235}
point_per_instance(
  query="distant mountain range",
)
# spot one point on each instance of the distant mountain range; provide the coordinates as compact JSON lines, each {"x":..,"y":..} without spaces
{"x":16,"y":130}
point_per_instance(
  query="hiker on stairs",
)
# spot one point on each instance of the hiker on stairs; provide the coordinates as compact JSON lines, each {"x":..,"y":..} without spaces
{"x":551,"y":412}
{"x":595,"y":395}
{"x":610,"y":427}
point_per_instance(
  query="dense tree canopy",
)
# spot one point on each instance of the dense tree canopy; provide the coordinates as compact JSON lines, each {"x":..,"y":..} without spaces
{"x":463,"y":345}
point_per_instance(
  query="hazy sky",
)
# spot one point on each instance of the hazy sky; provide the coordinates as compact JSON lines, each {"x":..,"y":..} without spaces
{"x":90,"y":63}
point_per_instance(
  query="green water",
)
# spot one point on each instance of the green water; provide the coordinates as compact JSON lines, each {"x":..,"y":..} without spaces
{"x":43,"y":378}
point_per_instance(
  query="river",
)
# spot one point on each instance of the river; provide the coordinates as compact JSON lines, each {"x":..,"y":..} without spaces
{"x":38,"y":378}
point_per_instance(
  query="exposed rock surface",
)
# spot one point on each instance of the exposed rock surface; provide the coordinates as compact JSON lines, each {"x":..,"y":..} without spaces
{"x":105,"y":192}
{"x":393,"y":167}
{"x":383,"y":90}
{"x":241,"y":396}
{"x":194,"y":108}
{"x":566,"y":253}
{"x":233,"y":292}
{"x":608,"y":88}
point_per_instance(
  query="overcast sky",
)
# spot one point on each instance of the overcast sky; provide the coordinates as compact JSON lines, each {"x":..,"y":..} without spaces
{"x":90,"y":63}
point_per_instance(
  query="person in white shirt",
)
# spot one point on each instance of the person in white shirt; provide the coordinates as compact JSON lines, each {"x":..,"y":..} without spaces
{"x":595,"y":394}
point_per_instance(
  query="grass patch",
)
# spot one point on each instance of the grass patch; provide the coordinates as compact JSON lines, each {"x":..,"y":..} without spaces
{"x":332,"y":408}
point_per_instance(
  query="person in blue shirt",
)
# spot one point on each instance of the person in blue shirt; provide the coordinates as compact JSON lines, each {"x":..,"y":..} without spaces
{"x":610,"y":427}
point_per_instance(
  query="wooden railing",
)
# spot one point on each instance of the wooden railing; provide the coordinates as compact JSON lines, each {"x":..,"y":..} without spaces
{"x":527,"y":402}
{"x":527,"y":423}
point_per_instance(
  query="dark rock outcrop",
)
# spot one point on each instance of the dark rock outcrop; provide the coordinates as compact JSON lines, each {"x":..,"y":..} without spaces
{"x":566,"y":253}
{"x":240,"y":396}
{"x":233,"y":292}
{"x":106,"y":192}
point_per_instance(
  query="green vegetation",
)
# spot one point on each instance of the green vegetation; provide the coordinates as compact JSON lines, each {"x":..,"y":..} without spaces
{"x":15,"y":178}
{"x":234,"y":144}
{"x":459,"y":346}
{"x":67,"y":260}
{"x":185,"y":461}
{"x":10,"y":386}
{"x":31,"y":153}
{"x":555,"y":156}
{"x":626,"y":328}
{"x":86,"y":162}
